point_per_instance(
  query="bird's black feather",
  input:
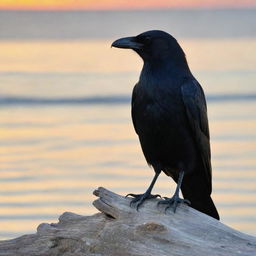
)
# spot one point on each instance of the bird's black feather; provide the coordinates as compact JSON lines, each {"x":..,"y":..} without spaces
{"x":196,"y":110}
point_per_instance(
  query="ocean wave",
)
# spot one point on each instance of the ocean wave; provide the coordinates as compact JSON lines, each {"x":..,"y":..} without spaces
{"x":106,"y":100}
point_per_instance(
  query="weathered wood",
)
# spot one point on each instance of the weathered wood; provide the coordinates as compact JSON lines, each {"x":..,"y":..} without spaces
{"x":121,"y":230}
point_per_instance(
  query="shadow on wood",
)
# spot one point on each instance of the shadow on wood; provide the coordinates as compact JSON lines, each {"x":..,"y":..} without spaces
{"x":121,"y":230}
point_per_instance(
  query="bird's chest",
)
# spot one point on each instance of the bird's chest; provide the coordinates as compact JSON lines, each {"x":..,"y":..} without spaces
{"x":159,"y":111}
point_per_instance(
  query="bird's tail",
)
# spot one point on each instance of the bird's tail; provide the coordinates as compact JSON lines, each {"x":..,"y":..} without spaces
{"x":197,"y":192}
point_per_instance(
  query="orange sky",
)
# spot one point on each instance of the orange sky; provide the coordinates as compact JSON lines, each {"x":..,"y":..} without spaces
{"x":121,"y":4}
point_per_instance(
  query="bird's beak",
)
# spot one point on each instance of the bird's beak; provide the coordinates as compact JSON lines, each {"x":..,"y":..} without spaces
{"x":127,"y":43}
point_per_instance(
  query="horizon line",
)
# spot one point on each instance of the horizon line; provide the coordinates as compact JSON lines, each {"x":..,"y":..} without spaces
{"x":133,"y":8}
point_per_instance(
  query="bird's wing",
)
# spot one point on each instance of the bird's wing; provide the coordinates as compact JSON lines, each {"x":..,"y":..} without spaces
{"x":134,"y":100}
{"x":196,"y":110}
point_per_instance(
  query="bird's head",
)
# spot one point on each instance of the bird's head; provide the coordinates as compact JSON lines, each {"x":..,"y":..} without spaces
{"x":153,"y":45}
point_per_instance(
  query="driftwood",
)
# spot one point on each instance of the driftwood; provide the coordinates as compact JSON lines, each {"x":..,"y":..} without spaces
{"x":121,"y":230}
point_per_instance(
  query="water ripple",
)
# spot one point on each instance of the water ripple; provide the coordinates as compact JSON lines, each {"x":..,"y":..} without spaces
{"x":107,"y":100}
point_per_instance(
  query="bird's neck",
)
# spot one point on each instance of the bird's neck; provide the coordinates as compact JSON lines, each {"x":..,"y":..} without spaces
{"x":164,"y":70}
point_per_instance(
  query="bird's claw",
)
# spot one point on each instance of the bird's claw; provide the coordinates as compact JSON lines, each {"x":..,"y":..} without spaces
{"x":173,"y":202}
{"x":138,"y":199}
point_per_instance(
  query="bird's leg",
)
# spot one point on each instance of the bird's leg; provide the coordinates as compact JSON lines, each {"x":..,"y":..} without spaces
{"x":140,"y":198}
{"x":173,"y":201}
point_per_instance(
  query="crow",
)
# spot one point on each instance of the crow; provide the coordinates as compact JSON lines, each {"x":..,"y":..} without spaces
{"x":169,"y":115}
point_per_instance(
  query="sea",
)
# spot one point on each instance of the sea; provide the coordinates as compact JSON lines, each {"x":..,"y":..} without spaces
{"x":65,"y":122}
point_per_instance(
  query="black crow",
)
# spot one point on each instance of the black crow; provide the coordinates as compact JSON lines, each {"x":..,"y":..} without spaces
{"x":169,"y":115}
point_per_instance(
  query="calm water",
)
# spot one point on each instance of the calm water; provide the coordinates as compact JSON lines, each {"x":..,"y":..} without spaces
{"x":65,"y":126}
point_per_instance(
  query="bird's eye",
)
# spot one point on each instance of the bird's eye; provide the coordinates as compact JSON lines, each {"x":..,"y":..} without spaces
{"x":147,"y":39}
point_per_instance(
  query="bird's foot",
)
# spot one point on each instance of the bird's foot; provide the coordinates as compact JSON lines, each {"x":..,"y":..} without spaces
{"x":173,"y":202}
{"x":138,"y":199}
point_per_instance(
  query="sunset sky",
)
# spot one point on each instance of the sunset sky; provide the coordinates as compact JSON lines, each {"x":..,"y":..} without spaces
{"x":122,"y":4}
